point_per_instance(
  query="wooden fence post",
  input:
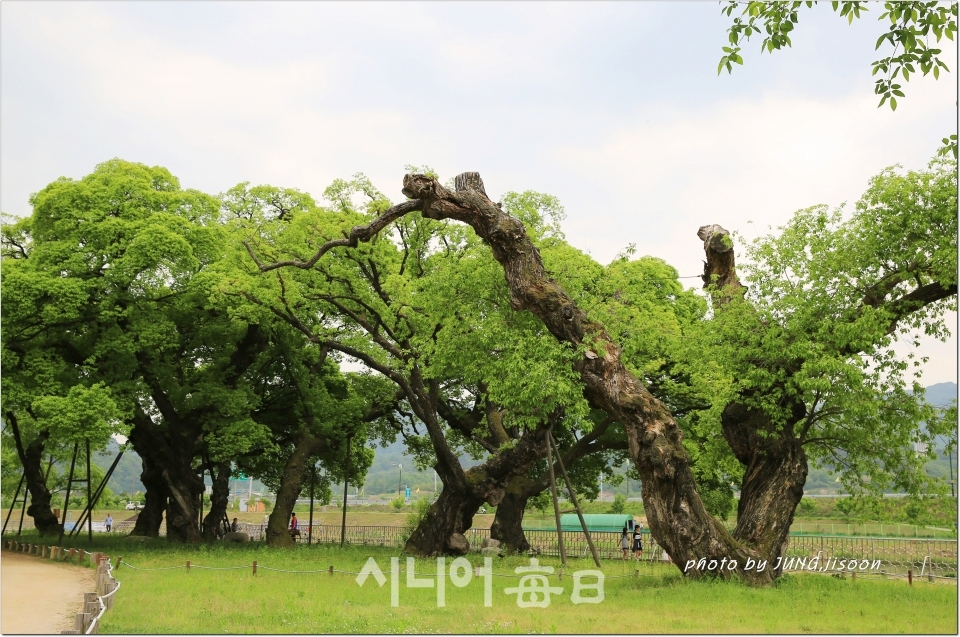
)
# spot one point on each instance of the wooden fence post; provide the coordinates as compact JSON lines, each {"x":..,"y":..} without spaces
{"x":910,"y":577}
{"x":188,"y":565}
{"x":254,"y":567}
{"x":331,"y":569}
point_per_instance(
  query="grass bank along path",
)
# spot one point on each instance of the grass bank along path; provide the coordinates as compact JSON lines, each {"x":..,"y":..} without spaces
{"x":660,"y":600}
{"x":40,"y":596}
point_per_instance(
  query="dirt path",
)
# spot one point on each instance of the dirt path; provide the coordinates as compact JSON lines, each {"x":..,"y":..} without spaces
{"x":40,"y":596}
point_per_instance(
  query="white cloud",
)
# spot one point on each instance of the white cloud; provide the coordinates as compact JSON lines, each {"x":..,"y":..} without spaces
{"x":557,"y":97}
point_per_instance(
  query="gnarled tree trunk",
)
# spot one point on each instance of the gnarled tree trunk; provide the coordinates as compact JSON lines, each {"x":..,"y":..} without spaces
{"x":772,"y":485}
{"x":168,"y":473}
{"x":508,"y":520}
{"x":773,"y":458}
{"x":183,"y":489}
{"x":155,"y":500}
{"x":219,"y":498}
{"x":678,"y":519}
{"x":443,"y":530}
{"x":31,"y":457}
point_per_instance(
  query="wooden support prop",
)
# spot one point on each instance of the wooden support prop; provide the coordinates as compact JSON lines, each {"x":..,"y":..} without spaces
{"x":853,"y":576}
{"x":72,"y":552}
{"x":637,"y":573}
{"x":14,"y":503}
{"x":556,"y":504}
{"x":929,"y":577}
{"x":573,"y":496}
{"x":331,"y":569}
{"x":254,"y":567}
{"x":78,"y":623}
{"x":188,"y":565}
{"x":66,"y":499}
{"x":81,"y":556}
{"x":910,"y":577}
{"x":119,"y":561}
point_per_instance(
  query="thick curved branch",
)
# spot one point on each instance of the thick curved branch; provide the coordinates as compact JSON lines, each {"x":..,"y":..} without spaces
{"x":356,"y":235}
{"x":918,"y":299}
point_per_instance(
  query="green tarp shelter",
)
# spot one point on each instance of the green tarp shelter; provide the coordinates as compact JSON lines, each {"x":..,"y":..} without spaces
{"x":596,"y":522}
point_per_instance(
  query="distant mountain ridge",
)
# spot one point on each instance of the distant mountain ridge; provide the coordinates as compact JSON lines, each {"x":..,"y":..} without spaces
{"x":385,"y":476}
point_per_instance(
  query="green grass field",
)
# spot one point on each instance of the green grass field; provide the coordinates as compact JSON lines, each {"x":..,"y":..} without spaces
{"x":658,"y":601}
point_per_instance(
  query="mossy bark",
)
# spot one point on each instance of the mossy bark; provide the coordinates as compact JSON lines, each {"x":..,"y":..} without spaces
{"x":676,"y":514}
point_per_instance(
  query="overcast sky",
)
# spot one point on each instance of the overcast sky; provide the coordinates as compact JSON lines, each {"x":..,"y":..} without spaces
{"x":616,"y":108}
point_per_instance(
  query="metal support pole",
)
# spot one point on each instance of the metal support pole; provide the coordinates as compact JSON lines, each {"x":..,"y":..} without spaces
{"x":556,"y":502}
{"x":14,"y":503}
{"x":573,"y":497}
{"x":346,"y":481}
{"x":66,"y":500}
{"x":89,"y":498}
{"x":313,"y":481}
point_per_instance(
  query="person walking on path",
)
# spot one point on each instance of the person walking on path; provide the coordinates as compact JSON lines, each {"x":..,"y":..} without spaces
{"x":637,"y":542}
{"x":625,"y":544}
{"x":108,"y":522}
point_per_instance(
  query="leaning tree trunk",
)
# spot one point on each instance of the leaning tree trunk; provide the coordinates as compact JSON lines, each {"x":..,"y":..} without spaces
{"x":219,"y":498}
{"x":677,"y":516}
{"x":31,"y":457}
{"x":508,"y":522}
{"x":295,"y":473}
{"x":678,"y":519}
